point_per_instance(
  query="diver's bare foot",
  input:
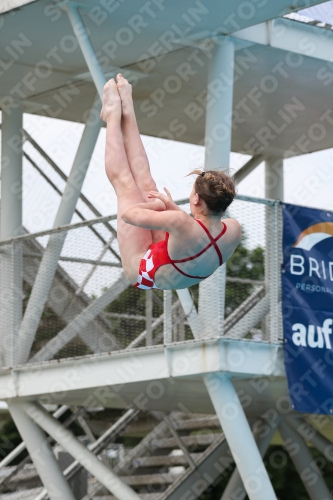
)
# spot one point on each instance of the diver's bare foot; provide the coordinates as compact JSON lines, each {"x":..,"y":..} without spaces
{"x":111,"y":102}
{"x":125,"y":92}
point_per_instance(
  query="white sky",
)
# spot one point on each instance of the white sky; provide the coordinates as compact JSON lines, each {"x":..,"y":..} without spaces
{"x":308,"y":178}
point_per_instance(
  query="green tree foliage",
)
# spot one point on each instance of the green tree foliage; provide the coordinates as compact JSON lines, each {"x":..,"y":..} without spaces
{"x":9,"y":439}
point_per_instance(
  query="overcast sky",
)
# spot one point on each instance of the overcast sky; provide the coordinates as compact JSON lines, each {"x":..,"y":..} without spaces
{"x":308,"y":178}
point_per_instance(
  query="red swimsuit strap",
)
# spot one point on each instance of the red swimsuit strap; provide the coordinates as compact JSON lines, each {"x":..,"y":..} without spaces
{"x":214,"y":240}
{"x":212,"y":243}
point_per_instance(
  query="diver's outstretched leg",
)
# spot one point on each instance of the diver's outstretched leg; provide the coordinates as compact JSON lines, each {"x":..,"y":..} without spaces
{"x":133,"y":241}
{"x":136,"y":154}
{"x":135,"y":151}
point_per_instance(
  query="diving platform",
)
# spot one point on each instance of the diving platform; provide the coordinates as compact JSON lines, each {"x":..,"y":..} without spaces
{"x":156,"y":378}
{"x":204,"y":366}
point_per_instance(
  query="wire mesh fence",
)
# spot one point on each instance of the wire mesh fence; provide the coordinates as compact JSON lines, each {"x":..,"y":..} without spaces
{"x":91,"y":308}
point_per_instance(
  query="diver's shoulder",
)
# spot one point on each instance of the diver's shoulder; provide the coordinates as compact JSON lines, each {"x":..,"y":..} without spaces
{"x":234,"y":227}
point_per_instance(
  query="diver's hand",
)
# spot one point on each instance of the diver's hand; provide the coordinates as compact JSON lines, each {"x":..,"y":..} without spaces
{"x":156,"y":204}
{"x":166,"y":198}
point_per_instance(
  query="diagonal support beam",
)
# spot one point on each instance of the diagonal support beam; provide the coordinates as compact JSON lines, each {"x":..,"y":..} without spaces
{"x":190,"y":312}
{"x":305,"y":464}
{"x":237,"y":430}
{"x":81,"y":321}
{"x":78,"y":451}
{"x":309,"y":433}
{"x":65,"y":178}
{"x":235,"y":488}
{"x":22,"y":446}
{"x":251,"y":319}
{"x":249,"y":166}
{"x":180,"y":442}
{"x":98,"y":443}
{"x":87,"y":48}
{"x":235,"y":426}
{"x":243,"y":309}
{"x":52,"y":253}
{"x":41,"y":454}
{"x":66,"y":304}
{"x":84,"y":425}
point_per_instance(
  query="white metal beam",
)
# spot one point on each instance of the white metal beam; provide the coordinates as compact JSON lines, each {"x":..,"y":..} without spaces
{"x":81,"y":321}
{"x":237,"y":430}
{"x":274,"y":185}
{"x":51,"y":255}
{"x":250,"y":319}
{"x":149,"y":317}
{"x":11,"y":225}
{"x":41,"y":454}
{"x":313,"y":436}
{"x":22,"y":446}
{"x":11,"y":173}
{"x":291,"y":36}
{"x":8,"y":5}
{"x":84,"y":425}
{"x":274,"y":190}
{"x":218,"y":131}
{"x":87,"y":48}
{"x":249,"y":166}
{"x":78,"y":451}
{"x":239,"y":437}
{"x":235,"y":487}
{"x":127,"y":417}
{"x":304,"y":463}
{"x":218,"y":128}
{"x":190,"y":312}
{"x":139,"y":365}
{"x":96,"y":335}
{"x":167,"y":317}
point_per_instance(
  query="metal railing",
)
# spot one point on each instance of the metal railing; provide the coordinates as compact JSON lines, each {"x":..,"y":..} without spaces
{"x":91,"y":308}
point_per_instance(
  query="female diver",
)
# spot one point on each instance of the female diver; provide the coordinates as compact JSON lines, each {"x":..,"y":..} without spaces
{"x":161,"y":246}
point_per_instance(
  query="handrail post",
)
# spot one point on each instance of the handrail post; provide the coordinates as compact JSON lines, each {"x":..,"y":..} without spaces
{"x":167,"y":324}
{"x":274,"y":189}
{"x":11,"y":225}
{"x":274,"y":275}
{"x":149,"y":317}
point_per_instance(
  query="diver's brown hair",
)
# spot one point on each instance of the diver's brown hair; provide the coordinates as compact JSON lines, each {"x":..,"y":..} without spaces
{"x":216,"y":188}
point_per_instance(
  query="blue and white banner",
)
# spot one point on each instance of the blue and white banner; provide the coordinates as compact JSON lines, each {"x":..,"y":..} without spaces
{"x":307,"y":305}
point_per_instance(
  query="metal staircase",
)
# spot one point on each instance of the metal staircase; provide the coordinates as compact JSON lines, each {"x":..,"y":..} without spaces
{"x":182,"y":451}
{"x":24,"y":475}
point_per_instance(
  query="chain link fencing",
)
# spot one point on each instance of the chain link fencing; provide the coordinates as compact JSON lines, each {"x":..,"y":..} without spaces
{"x":91,"y":308}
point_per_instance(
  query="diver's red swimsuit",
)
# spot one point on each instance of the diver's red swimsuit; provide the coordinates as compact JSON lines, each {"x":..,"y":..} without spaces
{"x":157,"y":256}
